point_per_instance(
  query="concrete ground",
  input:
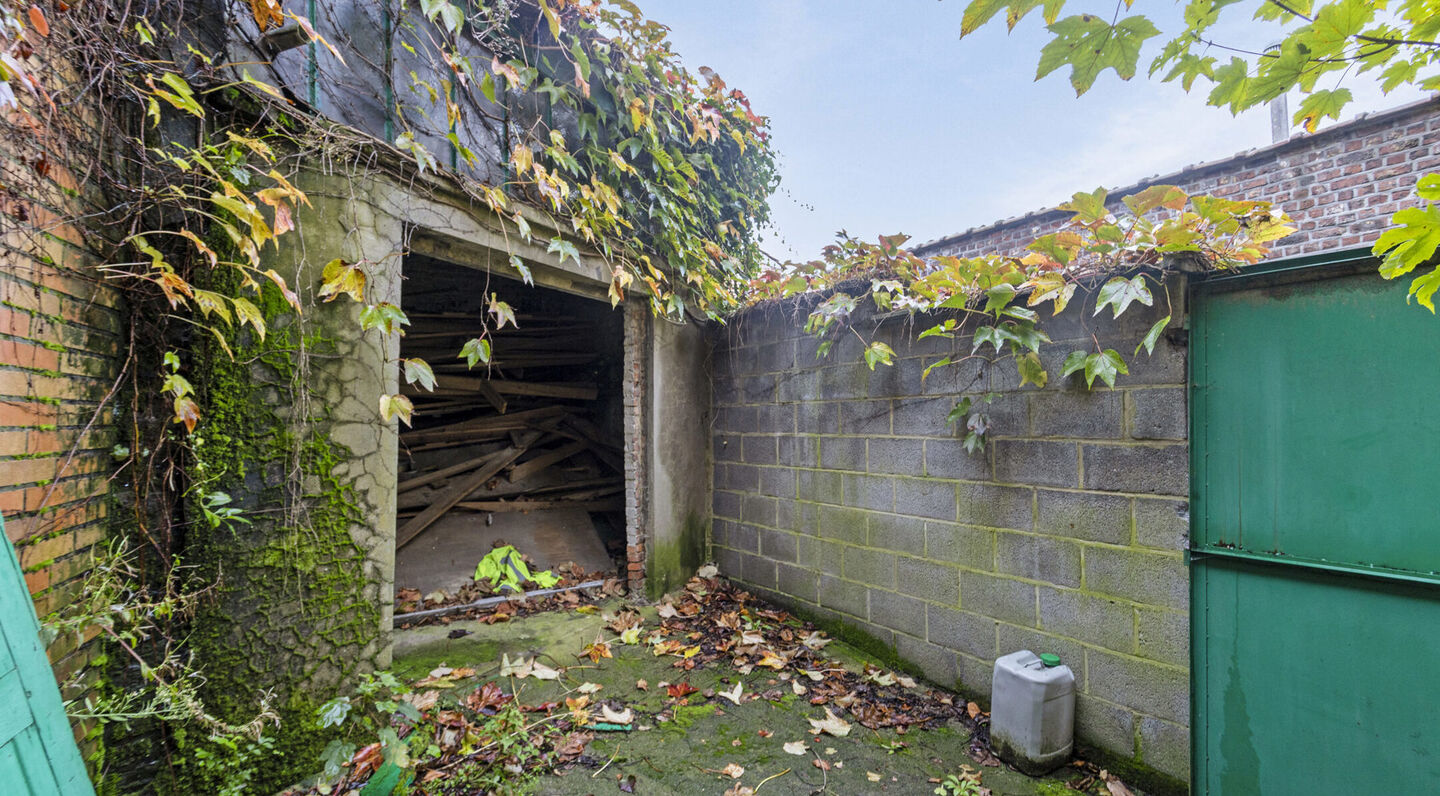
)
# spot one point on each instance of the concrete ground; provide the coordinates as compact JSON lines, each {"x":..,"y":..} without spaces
{"x":689,"y":753}
{"x":445,"y":555}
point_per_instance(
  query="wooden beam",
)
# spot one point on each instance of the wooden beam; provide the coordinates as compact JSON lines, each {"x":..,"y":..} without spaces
{"x":535,"y":465}
{"x":578,"y":391}
{"x":590,"y":487}
{"x":500,"y":506}
{"x":455,"y":493}
{"x":492,"y":397}
{"x":440,"y":475}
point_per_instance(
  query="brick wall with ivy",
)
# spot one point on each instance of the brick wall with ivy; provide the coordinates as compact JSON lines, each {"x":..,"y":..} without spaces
{"x":61,"y":346}
{"x":1341,"y":185}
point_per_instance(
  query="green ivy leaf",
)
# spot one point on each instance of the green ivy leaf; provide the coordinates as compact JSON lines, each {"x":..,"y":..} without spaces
{"x":1075,"y":361}
{"x":523,"y":269}
{"x":986,"y":334}
{"x":878,"y":352}
{"x":1120,"y":292}
{"x":475,"y":351}
{"x":1104,"y":366}
{"x":958,"y":412}
{"x":565,"y":249}
{"x":418,"y":371}
{"x":1152,"y":336}
{"x":1031,"y":371}
{"x":998,"y":297}
{"x":1089,"y":45}
{"x":384,"y":316}
{"x":334,"y":712}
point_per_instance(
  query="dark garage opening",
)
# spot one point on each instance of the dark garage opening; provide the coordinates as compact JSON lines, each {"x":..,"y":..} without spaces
{"x":525,"y":451}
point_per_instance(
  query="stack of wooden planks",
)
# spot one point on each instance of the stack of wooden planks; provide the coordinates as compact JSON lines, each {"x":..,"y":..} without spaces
{"x":520,"y":435}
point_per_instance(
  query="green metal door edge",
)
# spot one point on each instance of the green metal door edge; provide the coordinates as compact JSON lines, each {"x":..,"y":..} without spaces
{"x":1214,"y":554}
{"x":1199,"y":286}
{"x":62,"y":768}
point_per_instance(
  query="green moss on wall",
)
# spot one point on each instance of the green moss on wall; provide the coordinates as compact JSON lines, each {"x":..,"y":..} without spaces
{"x":289,"y":616}
{"x":671,"y":562}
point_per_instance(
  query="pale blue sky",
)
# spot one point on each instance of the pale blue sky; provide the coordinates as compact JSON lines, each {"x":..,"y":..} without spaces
{"x":887,"y":122}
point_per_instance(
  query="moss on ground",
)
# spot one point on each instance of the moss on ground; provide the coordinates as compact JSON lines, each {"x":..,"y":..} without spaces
{"x":689,"y":753}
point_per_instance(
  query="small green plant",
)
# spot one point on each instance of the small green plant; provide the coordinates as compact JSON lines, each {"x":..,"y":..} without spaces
{"x":1053,"y":789}
{"x":216,"y":508}
{"x":966,"y":783}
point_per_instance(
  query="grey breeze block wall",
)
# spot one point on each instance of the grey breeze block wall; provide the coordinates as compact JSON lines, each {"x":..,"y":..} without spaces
{"x":843,"y":493}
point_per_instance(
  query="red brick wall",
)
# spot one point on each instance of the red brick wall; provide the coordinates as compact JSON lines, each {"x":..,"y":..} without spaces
{"x":61,"y":344}
{"x":1340,"y":185}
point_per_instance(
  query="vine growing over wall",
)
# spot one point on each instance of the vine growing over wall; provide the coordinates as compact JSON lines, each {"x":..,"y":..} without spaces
{"x":996,"y":300}
{"x":182,"y":134}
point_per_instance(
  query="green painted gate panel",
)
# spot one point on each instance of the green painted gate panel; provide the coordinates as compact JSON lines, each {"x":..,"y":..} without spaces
{"x":1315,"y":551}
{"x":1318,"y":433}
{"x":37,"y":749}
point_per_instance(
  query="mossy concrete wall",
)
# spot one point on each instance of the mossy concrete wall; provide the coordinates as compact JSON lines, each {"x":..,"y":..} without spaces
{"x":291,"y":432}
{"x":679,"y":467}
{"x":844,"y":493}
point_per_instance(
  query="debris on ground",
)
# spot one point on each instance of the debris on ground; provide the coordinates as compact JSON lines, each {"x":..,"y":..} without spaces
{"x":735,"y":693}
{"x":567,"y":576}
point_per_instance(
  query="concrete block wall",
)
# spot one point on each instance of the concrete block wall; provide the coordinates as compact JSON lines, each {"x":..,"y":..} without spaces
{"x":842,"y":492}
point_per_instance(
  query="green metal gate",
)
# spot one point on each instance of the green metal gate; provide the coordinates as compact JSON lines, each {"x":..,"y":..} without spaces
{"x":37,"y":750}
{"x":1315,"y":452}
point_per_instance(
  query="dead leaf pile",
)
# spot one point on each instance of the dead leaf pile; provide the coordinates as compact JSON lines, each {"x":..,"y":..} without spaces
{"x":554,"y":735}
{"x":712,"y":622}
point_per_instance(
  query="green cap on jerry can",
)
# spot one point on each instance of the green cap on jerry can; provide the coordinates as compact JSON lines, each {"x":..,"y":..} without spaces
{"x":1050,"y":659}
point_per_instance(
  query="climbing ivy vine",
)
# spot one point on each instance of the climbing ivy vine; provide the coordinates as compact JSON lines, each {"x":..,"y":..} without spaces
{"x":997,"y":300}
{"x":180,"y":169}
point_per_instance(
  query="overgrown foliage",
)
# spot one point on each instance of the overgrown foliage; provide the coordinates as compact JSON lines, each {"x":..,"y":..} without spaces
{"x":180,"y":171}
{"x":997,"y":299}
{"x":1322,"y":45}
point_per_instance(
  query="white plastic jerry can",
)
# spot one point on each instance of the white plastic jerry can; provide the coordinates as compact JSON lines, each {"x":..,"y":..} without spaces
{"x":1032,"y":711}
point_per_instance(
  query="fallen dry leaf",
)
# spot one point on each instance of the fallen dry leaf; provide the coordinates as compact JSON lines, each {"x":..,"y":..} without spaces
{"x":734,"y":694}
{"x":831,"y":724}
{"x":708,"y":571}
{"x":595,"y":651}
{"x":422,"y":700}
{"x":680,"y":690}
{"x":642,"y":685}
{"x":796,"y":747}
{"x":589,"y":688}
{"x":872,"y":776}
{"x":972,"y":710}
{"x":1114,"y":785}
{"x":820,"y":763}
{"x":734,"y":771}
{"x":617,"y":717}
